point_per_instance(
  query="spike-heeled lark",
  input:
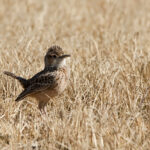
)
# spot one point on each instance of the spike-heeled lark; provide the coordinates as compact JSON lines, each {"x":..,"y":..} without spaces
{"x":48,"y":83}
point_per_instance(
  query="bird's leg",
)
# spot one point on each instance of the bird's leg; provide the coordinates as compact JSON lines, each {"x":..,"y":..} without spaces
{"x":42,"y":105}
{"x":42,"y":101}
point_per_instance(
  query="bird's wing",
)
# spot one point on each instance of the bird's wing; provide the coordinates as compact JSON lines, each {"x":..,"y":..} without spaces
{"x":49,"y":70}
{"x":42,"y":82}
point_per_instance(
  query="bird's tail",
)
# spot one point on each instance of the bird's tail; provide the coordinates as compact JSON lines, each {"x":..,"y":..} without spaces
{"x":20,"y":79}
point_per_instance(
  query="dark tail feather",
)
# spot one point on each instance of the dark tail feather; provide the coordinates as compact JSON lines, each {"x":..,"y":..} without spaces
{"x":21,"y":96}
{"x":23,"y":81}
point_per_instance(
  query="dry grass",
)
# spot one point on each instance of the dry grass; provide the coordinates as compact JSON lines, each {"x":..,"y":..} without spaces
{"x":107,"y":105}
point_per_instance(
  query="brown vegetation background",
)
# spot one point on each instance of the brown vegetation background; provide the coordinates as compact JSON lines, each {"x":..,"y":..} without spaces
{"x":107,"y":104}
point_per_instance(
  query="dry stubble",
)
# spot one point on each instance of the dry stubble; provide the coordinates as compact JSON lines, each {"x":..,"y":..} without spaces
{"x":107,"y":103}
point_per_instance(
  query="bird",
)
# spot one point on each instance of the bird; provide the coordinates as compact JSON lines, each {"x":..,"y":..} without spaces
{"x":49,"y":82}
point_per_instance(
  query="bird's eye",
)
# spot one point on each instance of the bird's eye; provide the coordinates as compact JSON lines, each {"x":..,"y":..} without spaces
{"x":49,"y":56}
{"x":54,"y":56}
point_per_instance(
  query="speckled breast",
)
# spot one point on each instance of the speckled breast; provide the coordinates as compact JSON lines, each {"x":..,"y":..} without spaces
{"x":63,"y":79}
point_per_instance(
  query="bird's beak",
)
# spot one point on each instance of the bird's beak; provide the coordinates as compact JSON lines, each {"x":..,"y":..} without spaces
{"x":64,"y":56}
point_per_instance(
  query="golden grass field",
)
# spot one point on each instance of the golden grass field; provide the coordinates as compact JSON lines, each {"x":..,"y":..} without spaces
{"x":107,"y":103}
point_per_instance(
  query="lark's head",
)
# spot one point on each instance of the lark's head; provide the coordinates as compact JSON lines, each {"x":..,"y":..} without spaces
{"x":55,"y":57}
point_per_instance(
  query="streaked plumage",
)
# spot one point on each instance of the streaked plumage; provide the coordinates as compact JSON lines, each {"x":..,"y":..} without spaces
{"x":49,"y":82}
